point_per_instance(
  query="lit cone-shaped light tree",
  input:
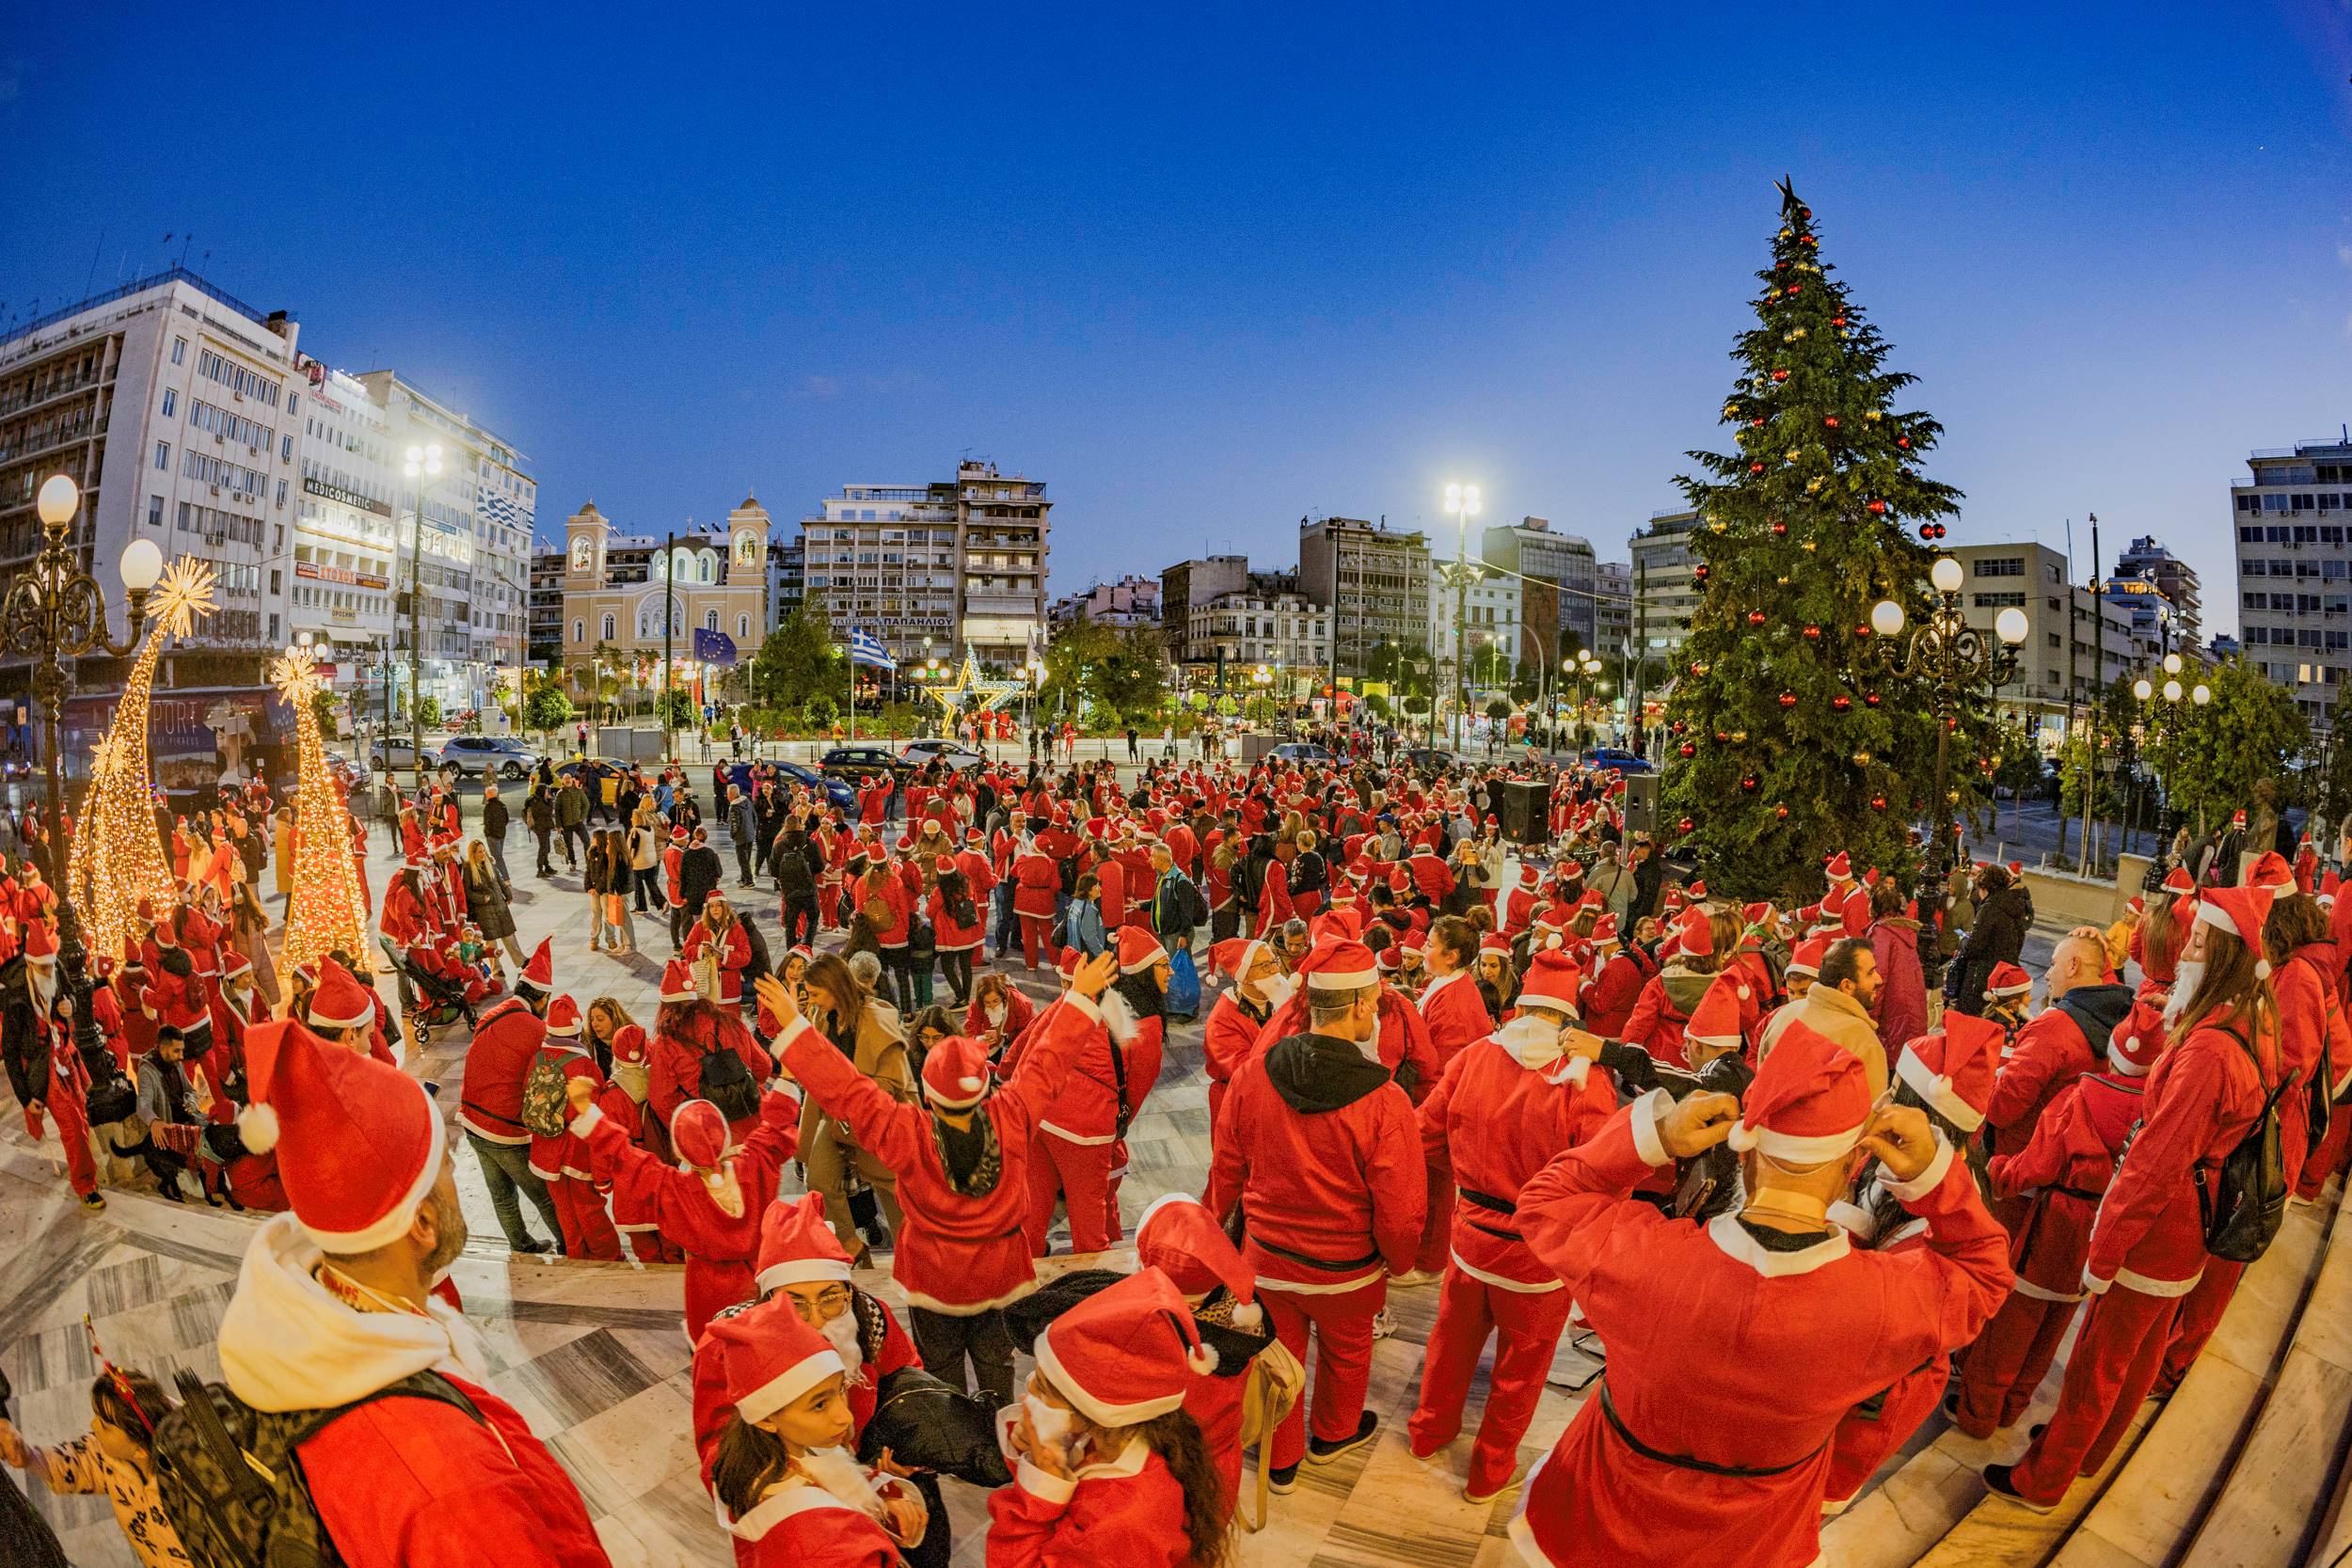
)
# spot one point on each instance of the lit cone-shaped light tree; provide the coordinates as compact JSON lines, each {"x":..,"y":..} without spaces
{"x":328,"y":910}
{"x":117,"y":855}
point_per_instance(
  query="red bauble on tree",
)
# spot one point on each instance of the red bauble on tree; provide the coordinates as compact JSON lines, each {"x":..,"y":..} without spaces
{"x":1780,"y":814}
{"x":1755,"y":617}
{"x":1840,"y":704}
{"x":1869,"y":698}
{"x":1878,"y":803}
{"x":1811,"y":634}
{"x":1779,"y":529}
{"x":1748,"y":784}
{"x":1879,"y":507}
{"x":1685,"y":826}
{"x":1688,"y":749}
{"x":1789,"y":698}
{"x":1830,"y":421}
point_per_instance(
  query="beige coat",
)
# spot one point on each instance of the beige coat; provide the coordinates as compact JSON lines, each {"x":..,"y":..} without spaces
{"x":1838,"y":1019}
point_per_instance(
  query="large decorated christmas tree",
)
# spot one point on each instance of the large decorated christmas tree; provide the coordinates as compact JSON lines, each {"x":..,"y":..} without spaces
{"x":1787,"y":736}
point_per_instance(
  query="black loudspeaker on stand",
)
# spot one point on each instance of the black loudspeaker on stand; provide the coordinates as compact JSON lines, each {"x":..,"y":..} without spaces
{"x":1640,"y":804}
{"x":1526,"y":814}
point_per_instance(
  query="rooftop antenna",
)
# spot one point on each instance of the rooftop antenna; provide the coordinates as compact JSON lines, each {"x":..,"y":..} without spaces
{"x":185,"y":239}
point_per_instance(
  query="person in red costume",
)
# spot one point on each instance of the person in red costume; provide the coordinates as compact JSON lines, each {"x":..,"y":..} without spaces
{"x":2058,"y":1045}
{"x":336,"y":1302}
{"x":686,"y":1030}
{"x":1501,"y":1114}
{"x":1621,"y":971}
{"x":1318,"y":1147}
{"x":1229,"y":1038}
{"x":1455,"y":1017}
{"x":1037,"y":884}
{"x":2148,"y":1247}
{"x":710,"y":1202}
{"x":624,"y":1099}
{"x":998,"y":1013}
{"x":720,"y":936}
{"x":490,"y":1100}
{"x":1737,"y":1347}
{"x":1177,"y":1237}
{"x":561,"y":1160}
{"x":1082,"y":1123}
{"x":1109,"y":1467}
{"x":2060,"y":1176}
{"x":789,"y":1489}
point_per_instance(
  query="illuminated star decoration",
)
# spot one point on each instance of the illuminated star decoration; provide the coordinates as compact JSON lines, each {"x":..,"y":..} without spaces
{"x":968,"y":682}
{"x":328,"y":911}
{"x":118,"y":857}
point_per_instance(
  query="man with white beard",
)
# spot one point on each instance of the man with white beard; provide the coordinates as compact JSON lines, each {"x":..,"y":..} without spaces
{"x":28,"y":989}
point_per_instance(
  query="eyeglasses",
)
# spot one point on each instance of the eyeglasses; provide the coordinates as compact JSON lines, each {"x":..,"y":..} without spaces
{"x":831,"y":1305}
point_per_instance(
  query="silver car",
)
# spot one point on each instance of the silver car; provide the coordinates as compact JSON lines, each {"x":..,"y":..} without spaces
{"x":479,"y":755}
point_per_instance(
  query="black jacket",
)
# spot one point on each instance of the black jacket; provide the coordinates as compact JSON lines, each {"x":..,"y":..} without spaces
{"x":698,"y":872}
{"x":494,"y":821}
{"x":1997,"y":937}
{"x":1315,"y":1072}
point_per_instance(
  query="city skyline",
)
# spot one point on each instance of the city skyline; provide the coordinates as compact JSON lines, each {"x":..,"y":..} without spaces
{"x":1323,"y":271}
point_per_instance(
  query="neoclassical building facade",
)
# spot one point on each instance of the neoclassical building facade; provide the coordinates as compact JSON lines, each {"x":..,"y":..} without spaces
{"x":623,"y":592}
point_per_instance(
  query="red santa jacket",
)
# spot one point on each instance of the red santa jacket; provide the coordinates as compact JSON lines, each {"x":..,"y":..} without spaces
{"x":2066,"y":1165}
{"x":1130,"y":1511}
{"x":1494,"y":1122}
{"x":1320,"y":1146}
{"x":958,"y":1253}
{"x":1723,"y":1352}
{"x":2311,"y":1029}
{"x":734,"y":950}
{"x":2048,"y":1053}
{"x":1231,"y":1036}
{"x":1609,"y":997}
{"x":675,"y":1066}
{"x":404,"y":919}
{"x":1037,"y":882}
{"x":177,"y":1001}
{"x":490,"y":1100}
{"x":1455,"y":1014}
{"x":1086,"y":1108}
{"x":1432,"y":876}
{"x":999,"y":1032}
{"x":950,"y":934}
{"x":2203,"y":1095}
{"x":683,"y":1209}
{"x":1113,"y":876}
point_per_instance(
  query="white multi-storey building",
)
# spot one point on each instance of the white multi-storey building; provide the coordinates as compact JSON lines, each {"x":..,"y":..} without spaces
{"x":2294,"y":519}
{"x":345,"y":537}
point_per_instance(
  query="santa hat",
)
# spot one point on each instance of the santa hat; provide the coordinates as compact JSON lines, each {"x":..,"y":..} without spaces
{"x":564,"y":1016}
{"x":1069,"y":961}
{"x":1604,"y":930}
{"x":2007,"y":980}
{"x":1716,"y":1020}
{"x":1839,"y":867}
{"x":955,"y":1073}
{"x":1125,"y":1354}
{"x":1181,"y":1238}
{"x":1809,"y":1101}
{"x":1806,"y":958}
{"x":40,"y":943}
{"x":1552,"y":980}
{"x":1495,"y":941}
{"x":1235,"y":954}
{"x":1695,"y":932}
{"x":797,"y":1247}
{"x":359,"y":1142}
{"x":677,"y":982}
{"x":1529,"y":876}
{"x":1338,"y":963}
{"x":1138,"y":950}
{"x":2178,"y":881}
{"x":233,"y":965}
{"x":538,"y":975}
{"x":1952,"y":1071}
{"x":713,"y":897}
{"x":678,"y":836}
{"x":340,"y":1002}
{"x":2241,"y":912}
{"x":2138,"y":1041}
{"x":771,"y":1359}
{"x":2270,"y":870}
{"x":1388,"y":962}
{"x":1336,"y":926}
{"x":698,"y":1131}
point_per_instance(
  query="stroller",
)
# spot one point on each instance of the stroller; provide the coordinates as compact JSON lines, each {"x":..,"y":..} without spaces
{"x":427,"y":1001}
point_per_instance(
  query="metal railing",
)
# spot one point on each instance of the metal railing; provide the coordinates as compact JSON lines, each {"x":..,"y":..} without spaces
{"x":173,"y":274}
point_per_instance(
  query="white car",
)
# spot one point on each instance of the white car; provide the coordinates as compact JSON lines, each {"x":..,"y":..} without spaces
{"x":921,"y":753}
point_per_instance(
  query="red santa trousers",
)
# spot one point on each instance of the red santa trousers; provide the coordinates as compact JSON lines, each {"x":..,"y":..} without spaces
{"x":579,"y":1214}
{"x":1437,"y":1227}
{"x":1080,"y":1173}
{"x":1468,"y":1309}
{"x":1863,"y":1442}
{"x":649,"y":1245}
{"x":2201,"y":1314}
{"x":2328,"y":1157}
{"x":2009,"y":1361}
{"x":73,"y":1119}
{"x":2116,"y":1357}
{"x":1341,"y":1368}
{"x":711,"y":1288}
{"x":1034,"y":930}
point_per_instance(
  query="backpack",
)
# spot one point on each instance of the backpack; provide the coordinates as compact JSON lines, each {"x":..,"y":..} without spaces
{"x":229,"y":1477}
{"x":726,"y":1082}
{"x":963,"y":910}
{"x":547,"y":1110}
{"x":2243,"y":1203}
{"x":1270,"y":1392}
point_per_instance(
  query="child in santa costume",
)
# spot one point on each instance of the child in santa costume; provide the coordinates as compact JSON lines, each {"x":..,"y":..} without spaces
{"x":999,"y":1013}
{"x":1319,"y":1148}
{"x":962,"y":1161}
{"x":1082,"y":1122}
{"x":335,"y":1304}
{"x":1504,"y":1109}
{"x":792,"y":1493}
{"x":1109,"y":1467}
{"x":1737,"y":1347}
{"x":561,"y":1160}
{"x":2060,"y":1174}
{"x":2148,"y":1247}
{"x":1229,"y":1038}
{"x":711,"y":1203}
{"x":1178,"y":1237}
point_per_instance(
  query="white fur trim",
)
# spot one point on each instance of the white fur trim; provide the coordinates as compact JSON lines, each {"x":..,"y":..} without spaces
{"x":1642,"y":1118}
{"x":396,"y":1219}
{"x":1728,"y":1234}
{"x":1043,"y":1484}
{"x":586,"y":1121}
{"x":1929,"y":1180}
{"x":2031,"y":1292}
{"x":1118,"y":1017}
{"x":1503,"y":1282}
{"x":1937,"y":1089}
{"x":1793,"y":1150}
{"x":2121,"y":1063}
{"x":2261,"y":969}
{"x":2147,"y":1287}
{"x":257,"y":1126}
{"x":1095,"y":1410}
{"x":2211,"y":913}
{"x":801,"y":1271}
{"x":1202,"y":1361}
{"x":790,"y":1384}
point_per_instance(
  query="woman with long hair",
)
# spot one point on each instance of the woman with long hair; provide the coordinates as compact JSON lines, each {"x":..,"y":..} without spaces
{"x":2148,"y":1265}
{"x":249,"y":933}
{"x":594,"y":872}
{"x":848,"y":1014}
{"x":2158,"y":940}
{"x":1112,"y":1470}
{"x":618,"y":879}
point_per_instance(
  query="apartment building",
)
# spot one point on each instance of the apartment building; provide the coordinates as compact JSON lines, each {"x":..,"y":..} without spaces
{"x":788,"y":579}
{"x":1374,"y":579}
{"x":2295,"y":568}
{"x":963,"y":562}
{"x":1485,"y":618}
{"x":1186,"y":586}
{"x":547,"y":607}
{"x":349,"y":528}
{"x":2066,"y":659}
{"x":1132,"y":601}
{"x":2147,"y":561}
{"x":1559,"y":594}
{"x":1236,"y":632}
{"x":1612,"y":609}
{"x":1664,"y":595}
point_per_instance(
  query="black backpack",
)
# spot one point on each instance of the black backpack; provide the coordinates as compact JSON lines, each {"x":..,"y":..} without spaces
{"x":229,"y":1477}
{"x":2243,"y":1203}
{"x":726,"y":1082}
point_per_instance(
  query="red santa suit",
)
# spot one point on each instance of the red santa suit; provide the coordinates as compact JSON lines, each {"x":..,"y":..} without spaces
{"x":996,"y":1025}
{"x":562,"y":1161}
{"x":685,"y":1032}
{"x":623,"y":1099}
{"x":1037,"y":883}
{"x":2148,"y":1248}
{"x":490,"y":1097}
{"x":1229,"y":1038}
{"x":1504,"y":1109}
{"x":732,"y":949}
{"x":401,"y":1481}
{"x":1318,"y":1145}
{"x":1610,"y":996}
{"x":68,"y":1099}
{"x":1727,"y":1350}
{"x":1080,"y":1149}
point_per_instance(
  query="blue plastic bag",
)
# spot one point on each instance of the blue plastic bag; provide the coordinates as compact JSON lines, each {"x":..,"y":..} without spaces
{"x":1183,"y":984}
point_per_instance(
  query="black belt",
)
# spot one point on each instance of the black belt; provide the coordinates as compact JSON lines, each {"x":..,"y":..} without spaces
{"x":1488,"y":1202}
{"x":1684,"y":1462}
{"x":2076,"y":1193}
{"x":1366,"y":1261}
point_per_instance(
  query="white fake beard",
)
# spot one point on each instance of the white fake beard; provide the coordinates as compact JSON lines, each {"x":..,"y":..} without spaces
{"x":1278,"y":989}
{"x":839,"y":1474}
{"x":1118,"y":1017}
{"x":1531,"y":1042}
{"x":841,"y":1333}
{"x":2190,"y":973}
{"x":44,"y":992}
{"x":994,"y":1012}
{"x":1051,"y":1423}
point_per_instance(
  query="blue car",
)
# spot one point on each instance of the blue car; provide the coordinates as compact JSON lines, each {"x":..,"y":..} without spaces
{"x":837,"y":792}
{"x":1617,"y":760}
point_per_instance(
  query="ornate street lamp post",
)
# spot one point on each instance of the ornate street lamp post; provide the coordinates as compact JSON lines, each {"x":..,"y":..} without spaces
{"x":55,"y":611}
{"x":2166,"y":719}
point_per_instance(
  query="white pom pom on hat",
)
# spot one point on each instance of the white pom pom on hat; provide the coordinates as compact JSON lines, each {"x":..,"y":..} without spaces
{"x":257,"y":1129}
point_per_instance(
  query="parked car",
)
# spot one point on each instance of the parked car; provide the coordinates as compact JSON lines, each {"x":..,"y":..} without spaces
{"x":479,"y":755}
{"x":398,"y":752}
{"x":1617,"y":760}
{"x":837,"y":792}
{"x":860,"y":762}
{"x":1427,"y":760}
{"x":1301,"y":751}
{"x":921,"y":753}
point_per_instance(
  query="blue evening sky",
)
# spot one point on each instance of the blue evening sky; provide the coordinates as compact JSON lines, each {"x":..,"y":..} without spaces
{"x":1207,"y":268}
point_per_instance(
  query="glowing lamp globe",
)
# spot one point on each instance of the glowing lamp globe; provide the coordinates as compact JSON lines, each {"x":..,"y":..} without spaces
{"x":2203,"y":695}
{"x":2142,"y":690}
{"x":60,"y":496}
{"x":2010,"y":626}
{"x":1945,"y":574}
{"x":2172,"y":664}
{"x":2172,"y":691}
{"x":142,"y":566}
{"x":1886,"y":618}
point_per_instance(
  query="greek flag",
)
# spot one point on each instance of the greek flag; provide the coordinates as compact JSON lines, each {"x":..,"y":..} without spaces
{"x":865,"y":648}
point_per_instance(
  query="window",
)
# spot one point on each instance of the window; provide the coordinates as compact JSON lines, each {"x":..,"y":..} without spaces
{"x":178,"y":351}
{"x":607,"y":628}
{"x":710,"y":619}
{"x":171,"y":401}
{"x":285,"y":449}
{"x":742,"y":627}
{"x":163,"y":456}
{"x":580,"y":630}
{"x":154,"y":511}
{"x":2002,"y":566}
{"x":282,"y":492}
